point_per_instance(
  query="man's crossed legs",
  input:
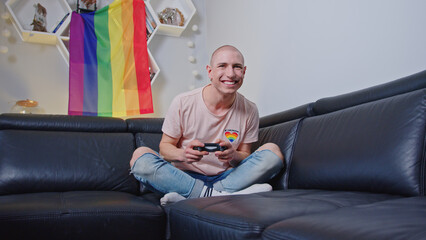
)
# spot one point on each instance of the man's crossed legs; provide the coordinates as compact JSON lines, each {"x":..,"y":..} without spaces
{"x":248,"y":177}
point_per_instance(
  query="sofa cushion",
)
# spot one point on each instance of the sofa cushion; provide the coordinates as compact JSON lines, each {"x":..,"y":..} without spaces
{"x":283,"y":135}
{"x":145,"y":125}
{"x":394,"y":219}
{"x":55,"y":161}
{"x":80,"y":215}
{"x":147,"y":131}
{"x":376,"y":147}
{"x":151,"y":140}
{"x":246,"y":216}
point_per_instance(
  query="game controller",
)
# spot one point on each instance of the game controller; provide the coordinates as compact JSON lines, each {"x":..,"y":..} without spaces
{"x":211,"y":147}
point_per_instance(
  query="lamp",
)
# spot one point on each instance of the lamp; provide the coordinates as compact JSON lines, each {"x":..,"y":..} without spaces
{"x":26,"y":107}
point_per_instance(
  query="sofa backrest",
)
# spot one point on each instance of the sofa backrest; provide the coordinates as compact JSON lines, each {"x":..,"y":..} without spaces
{"x":53,"y":153}
{"x":377,"y":146}
{"x":302,"y":111}
{"x":403,"y":85}
{"x":147,"y":131}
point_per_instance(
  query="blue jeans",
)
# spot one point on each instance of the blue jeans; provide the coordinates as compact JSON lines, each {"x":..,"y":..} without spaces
{"x":161,"y":176}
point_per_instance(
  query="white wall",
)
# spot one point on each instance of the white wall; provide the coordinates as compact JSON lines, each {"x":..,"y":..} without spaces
{"x":33,"y":71}
{"x":296,"y":52}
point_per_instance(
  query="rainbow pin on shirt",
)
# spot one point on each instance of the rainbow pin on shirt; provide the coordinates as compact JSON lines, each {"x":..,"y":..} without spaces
{"x":231,"y":136}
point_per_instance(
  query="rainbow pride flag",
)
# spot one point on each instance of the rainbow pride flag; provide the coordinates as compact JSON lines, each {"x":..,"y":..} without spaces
{"x":109,"y":64}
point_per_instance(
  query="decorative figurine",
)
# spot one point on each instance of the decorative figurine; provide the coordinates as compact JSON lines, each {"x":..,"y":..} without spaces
{"x":171,"y":16}
{"x":39,"y":21}
{"x":89,"y":6}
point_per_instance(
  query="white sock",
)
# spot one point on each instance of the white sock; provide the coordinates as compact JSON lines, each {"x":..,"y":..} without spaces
{"x":255,"y":188}
{"x":171,"y":197}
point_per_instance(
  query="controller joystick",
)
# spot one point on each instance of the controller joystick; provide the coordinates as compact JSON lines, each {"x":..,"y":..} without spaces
{"x":211,"y":147}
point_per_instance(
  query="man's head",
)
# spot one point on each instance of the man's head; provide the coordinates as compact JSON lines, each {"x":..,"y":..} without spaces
{"x":225,"y":47}
{"x":226,"y":70}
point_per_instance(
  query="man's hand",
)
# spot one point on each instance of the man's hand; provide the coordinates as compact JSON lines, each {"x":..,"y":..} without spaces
{"x":231,"y":155}
{"x":227,"y":155}
{"x":171,"y":153}
{"x":192,"y":155}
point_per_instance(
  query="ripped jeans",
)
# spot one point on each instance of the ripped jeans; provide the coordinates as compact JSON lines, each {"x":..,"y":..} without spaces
{"x":161,"y":176}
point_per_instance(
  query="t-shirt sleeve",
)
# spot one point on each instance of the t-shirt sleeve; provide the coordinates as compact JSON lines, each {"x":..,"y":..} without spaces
{"x":172,"y":125}
{"x":252,"y":132}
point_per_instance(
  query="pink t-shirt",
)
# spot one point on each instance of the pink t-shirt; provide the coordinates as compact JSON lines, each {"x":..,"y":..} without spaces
{"x":188,"y":118}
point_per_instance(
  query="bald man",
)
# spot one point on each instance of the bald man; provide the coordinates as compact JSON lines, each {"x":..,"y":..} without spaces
{"x":187,"y":168}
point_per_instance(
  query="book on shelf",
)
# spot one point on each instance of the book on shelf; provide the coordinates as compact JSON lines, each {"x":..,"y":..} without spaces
{"x":148,"y":34}
{"x":149,"y":27}
{"x":149,"y":18}
{"x":60,"y":23}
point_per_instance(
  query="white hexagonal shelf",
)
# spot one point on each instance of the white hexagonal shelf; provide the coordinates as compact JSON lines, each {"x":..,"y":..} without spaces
{"x":186,"y":7}
{"x":151,"y":21}
{"x":22,"y":14}
{"x":154,"y":69}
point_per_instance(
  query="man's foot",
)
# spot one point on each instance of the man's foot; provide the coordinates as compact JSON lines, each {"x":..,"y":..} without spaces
{"x":255,"y":188}
{"x":171,"y":197}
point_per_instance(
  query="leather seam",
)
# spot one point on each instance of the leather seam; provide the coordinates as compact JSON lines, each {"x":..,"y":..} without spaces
{"x":290,"y":160}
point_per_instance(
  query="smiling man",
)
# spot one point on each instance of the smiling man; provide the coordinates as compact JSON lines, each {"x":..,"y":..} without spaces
{"x":218,"y":115}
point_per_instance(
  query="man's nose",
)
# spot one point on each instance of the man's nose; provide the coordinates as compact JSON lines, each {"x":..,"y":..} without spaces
{"x":230,"y":72}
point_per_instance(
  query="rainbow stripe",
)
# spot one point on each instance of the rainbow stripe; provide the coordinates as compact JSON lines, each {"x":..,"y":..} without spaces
{"x":109,"y":64}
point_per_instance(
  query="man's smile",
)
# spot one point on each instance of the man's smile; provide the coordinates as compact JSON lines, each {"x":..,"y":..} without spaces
{"x":229,"y":82}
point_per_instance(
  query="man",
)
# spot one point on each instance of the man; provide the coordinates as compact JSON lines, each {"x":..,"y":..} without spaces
{"x":215,"y":113}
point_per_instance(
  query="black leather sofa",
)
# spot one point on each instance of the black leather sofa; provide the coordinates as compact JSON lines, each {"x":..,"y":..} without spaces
{"x":355,"y":169}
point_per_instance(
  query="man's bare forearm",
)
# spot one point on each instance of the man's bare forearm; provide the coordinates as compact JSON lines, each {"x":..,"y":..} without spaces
{"x":238,"y":157}
{"x":170,"y":152}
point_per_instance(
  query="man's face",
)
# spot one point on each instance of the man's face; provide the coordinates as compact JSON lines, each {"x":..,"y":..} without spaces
{"x":227,"y":70}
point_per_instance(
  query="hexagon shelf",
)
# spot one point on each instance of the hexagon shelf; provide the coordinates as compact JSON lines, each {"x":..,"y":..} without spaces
{"x":151,"y":22}
{"x":186,"y":7}
{"x":22,"y":15}
{"x":154,"y":69}
{"x":63,"y":43}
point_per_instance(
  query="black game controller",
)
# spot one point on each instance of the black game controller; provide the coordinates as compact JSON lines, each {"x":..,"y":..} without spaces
{"x":211,"y":147}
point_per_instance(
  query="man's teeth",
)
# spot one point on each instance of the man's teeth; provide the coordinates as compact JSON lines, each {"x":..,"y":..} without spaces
{"x":229,"y":83}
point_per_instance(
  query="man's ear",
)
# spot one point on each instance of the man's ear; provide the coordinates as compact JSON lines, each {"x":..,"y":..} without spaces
{"x":209,"y":70}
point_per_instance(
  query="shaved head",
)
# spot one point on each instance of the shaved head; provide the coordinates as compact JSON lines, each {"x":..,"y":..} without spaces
{"x":225,"y":47}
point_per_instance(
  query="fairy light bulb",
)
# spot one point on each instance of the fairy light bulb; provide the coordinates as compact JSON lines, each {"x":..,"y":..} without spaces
{"x":4,"y":49}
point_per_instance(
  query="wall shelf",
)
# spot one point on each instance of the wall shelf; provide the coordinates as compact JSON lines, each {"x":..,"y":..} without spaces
{"x":64,"y":43}
{"x":151,"y":16}
{"x":22,"y":15}
{"x":185,"y":6}
{"x":153,"y":67}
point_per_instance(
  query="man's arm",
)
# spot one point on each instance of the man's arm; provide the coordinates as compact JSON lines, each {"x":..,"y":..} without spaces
{"x":170,"y":151}
{"x":231,"y":155}
{"x":243,"y":151}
